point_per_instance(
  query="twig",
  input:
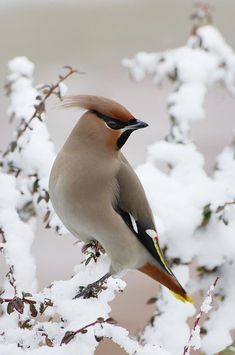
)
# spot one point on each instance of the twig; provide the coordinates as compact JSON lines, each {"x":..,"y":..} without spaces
{"x":221,"y":208}
{"x":69,"y":335}
{"x":203,"y":310}
{"x":11,"y":278}
{"x":40,"y":107}
{"x":3,"y":239}
{"x":202,"y":15}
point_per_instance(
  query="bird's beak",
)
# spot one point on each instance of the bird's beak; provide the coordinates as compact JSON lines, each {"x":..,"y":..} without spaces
{"x":136,"y":124}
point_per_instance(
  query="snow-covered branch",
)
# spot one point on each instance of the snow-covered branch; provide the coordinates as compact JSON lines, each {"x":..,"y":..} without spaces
{"x":194,"y":211}
{"x":194,"y":341}
{"x":193,"y":69}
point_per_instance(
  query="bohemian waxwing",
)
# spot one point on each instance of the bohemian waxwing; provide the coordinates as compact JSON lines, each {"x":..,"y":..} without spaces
{"x":98,"y":196}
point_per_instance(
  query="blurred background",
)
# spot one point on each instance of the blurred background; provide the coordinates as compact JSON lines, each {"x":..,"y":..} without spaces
{"x":94,"y":36}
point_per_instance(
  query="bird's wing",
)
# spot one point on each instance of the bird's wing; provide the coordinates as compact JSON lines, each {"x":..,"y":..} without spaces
{"x":148,"y":237}
{"x":132,"y":196}
{"x":133,"y":207}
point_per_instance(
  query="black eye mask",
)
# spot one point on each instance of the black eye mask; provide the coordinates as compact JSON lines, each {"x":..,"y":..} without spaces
{"x":115,"y":124}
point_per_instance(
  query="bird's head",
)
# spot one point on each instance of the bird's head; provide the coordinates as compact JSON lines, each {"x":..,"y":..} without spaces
{"x":106,"y":120}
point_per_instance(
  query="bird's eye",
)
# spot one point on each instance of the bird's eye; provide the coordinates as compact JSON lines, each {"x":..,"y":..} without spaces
{"x":112,"y":124}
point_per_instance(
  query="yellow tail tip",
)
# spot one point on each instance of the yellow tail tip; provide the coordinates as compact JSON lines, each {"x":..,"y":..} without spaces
{"x":185,"y":298}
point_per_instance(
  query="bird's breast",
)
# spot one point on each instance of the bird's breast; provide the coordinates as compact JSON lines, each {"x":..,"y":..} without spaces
{"x":81,"y":191}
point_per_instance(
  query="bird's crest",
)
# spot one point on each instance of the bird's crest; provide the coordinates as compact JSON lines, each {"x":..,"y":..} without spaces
{"x":99,"y":104}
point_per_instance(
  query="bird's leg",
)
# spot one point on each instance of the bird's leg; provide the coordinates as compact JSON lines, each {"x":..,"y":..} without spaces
{"x":93,"y":289}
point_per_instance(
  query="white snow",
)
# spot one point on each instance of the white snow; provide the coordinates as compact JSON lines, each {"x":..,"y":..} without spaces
{"x":21,"y":66}
{"x":172,"y":318}
{"x":195,"y":341}
{"x":63,"y":89}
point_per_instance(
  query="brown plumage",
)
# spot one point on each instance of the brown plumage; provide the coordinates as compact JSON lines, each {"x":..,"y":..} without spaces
{"x":98,"y":196}
{"x":100,"y":104}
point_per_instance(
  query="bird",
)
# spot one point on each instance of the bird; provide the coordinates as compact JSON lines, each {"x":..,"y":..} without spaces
{"x":99,"y":197}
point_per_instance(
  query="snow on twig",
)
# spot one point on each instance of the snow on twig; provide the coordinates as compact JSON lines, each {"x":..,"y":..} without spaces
{"x":194,"y":341}
{"x":48,"y":90}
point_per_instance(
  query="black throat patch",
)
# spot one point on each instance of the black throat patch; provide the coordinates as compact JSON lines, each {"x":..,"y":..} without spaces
{"x":123,"y":138}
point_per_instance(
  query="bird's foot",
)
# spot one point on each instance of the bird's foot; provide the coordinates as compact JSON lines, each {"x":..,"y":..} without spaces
{"x":93,"y":289}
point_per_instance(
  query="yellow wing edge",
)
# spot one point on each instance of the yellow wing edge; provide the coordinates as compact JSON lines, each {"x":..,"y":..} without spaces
{"x":184,"y":299}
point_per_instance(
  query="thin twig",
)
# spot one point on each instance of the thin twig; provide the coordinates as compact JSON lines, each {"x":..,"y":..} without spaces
{"x":198,"y":318}
{"x":27,"y":301}
{"x":69,"y":335}
{"x":221,"y":208}
{"x":41,"y":106}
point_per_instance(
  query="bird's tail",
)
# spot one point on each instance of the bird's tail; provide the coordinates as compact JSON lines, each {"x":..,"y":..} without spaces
{"x":168,"y":280}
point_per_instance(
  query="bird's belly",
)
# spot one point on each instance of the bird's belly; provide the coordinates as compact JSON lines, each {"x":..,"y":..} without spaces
{"x":75,"y":213}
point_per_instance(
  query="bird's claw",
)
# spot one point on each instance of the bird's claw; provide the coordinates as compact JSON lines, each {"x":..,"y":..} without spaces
{"x":88,"y":292}
{"x":93,"y":289}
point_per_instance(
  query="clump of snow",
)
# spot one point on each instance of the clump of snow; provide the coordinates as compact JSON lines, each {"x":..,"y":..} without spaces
{"x":63,"y":89}
{"x":195,"y":341}
{"x":121,"y":337}
{"x":34,"y":154}
{"x":194,"y":68}
{"x":206,"y":306}
{"x":213,"y":41}
{"x":18,"y":236}
{"x":21,"y":66}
